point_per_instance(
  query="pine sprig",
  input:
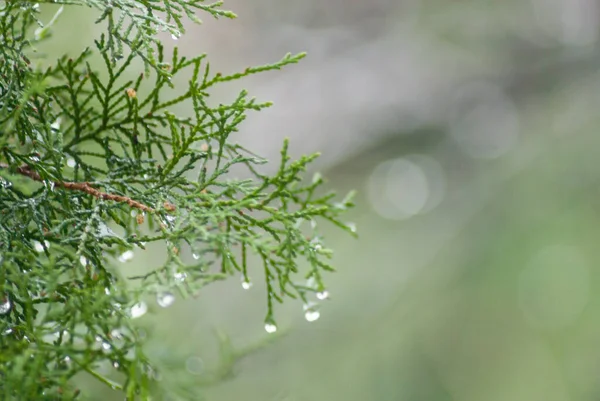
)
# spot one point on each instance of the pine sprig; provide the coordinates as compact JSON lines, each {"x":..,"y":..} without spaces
{"x":96,"y":165}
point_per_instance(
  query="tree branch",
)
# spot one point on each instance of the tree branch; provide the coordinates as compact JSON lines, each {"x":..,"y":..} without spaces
{"x":82,"y":187}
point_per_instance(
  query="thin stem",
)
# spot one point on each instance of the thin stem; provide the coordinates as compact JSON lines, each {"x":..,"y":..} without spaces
{"x":82,"y":187}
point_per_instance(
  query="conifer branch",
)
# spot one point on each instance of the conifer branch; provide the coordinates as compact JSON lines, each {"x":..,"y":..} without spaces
{"x":126,"y":136}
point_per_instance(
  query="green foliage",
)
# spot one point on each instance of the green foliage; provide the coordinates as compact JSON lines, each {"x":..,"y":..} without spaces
{"x":95,"y":165}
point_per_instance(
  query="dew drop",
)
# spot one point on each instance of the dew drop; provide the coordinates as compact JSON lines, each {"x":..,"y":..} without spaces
{"x":195,"y":256}
{"x":105,"y":231}
{"x":174,"y":37}
{"x":83,"y":260}
{"x":165,"y":299}
{"x":194,"y":365}
{"x":180,"y":277}
{"x":138,"y":310}
{"x":115,"y":364}
{"x":105,"y":346}
{"x":5,"y":306}
{"x":311,"y":315}
{"x":246,"y":284}
{"x":71,"y":162}
{"x":270,"y":328}
{"x":56,"y":124}
{"x":39,"y":247}
{"x":133,"y":213}
{"x":126,"y":256}
{"x":351,"y":227}
{"x":322,"y":295}
{"x":50,"y":185}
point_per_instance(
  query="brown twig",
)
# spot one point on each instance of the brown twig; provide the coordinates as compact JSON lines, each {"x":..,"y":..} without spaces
{"x":82,"y":187}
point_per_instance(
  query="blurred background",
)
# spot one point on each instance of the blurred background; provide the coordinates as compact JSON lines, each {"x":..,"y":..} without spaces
{"x":470,"y":130}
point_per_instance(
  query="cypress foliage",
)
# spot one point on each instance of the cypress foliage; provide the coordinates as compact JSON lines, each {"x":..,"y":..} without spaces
{"x":96,"y":166}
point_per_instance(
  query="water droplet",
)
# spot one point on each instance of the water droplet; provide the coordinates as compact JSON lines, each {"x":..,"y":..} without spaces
{"x":194,"y":365}
{"x":105,"y":231}
{"x":107,"y":291}
{"x":246,"y":284}
{"x":270,"y":328}
{"x":322,"y":295}
{"x":165,"y":299}
{"x":7,"y":331}
{"x":56,"y":124}
{"x":34,"y":158}
{"x":170,"y":219}
{"x":83,"y":260}
{"x":174,"y":37}
{"x":133,"y":213}
{"x":39,"y":247}
{"x":138,"y":310}
{"x":4,"y":183}
{"x":311,"y":282}
{"x":351,"y":227}
{"x":71,"y":162}
{"x":180,"y":277}
{"x":126,"y":256}
{"x":105,"y":346}
{"x":195,"y":256}
{"x":311,"y":315}
{"x":115,"y":364}
{"x":50,"y":185}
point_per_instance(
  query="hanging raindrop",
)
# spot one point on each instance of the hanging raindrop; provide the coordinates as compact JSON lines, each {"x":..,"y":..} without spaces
{"x":126,"y":256}
{"x":71,"y":162}
{"x":195,"y":256}
{"x":138,"y":310}
{"x":322,"y":295}
{"x":180,"y":277}
{"x":5,"y":306}
{"x":351,"y":227}
{"x":194,"y":365}
{"x":165,"y":299}
{"x":39,"y":247}
{"x":246,"y":283}
{"x":311,"y":315}
{"x":270,"y":328}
